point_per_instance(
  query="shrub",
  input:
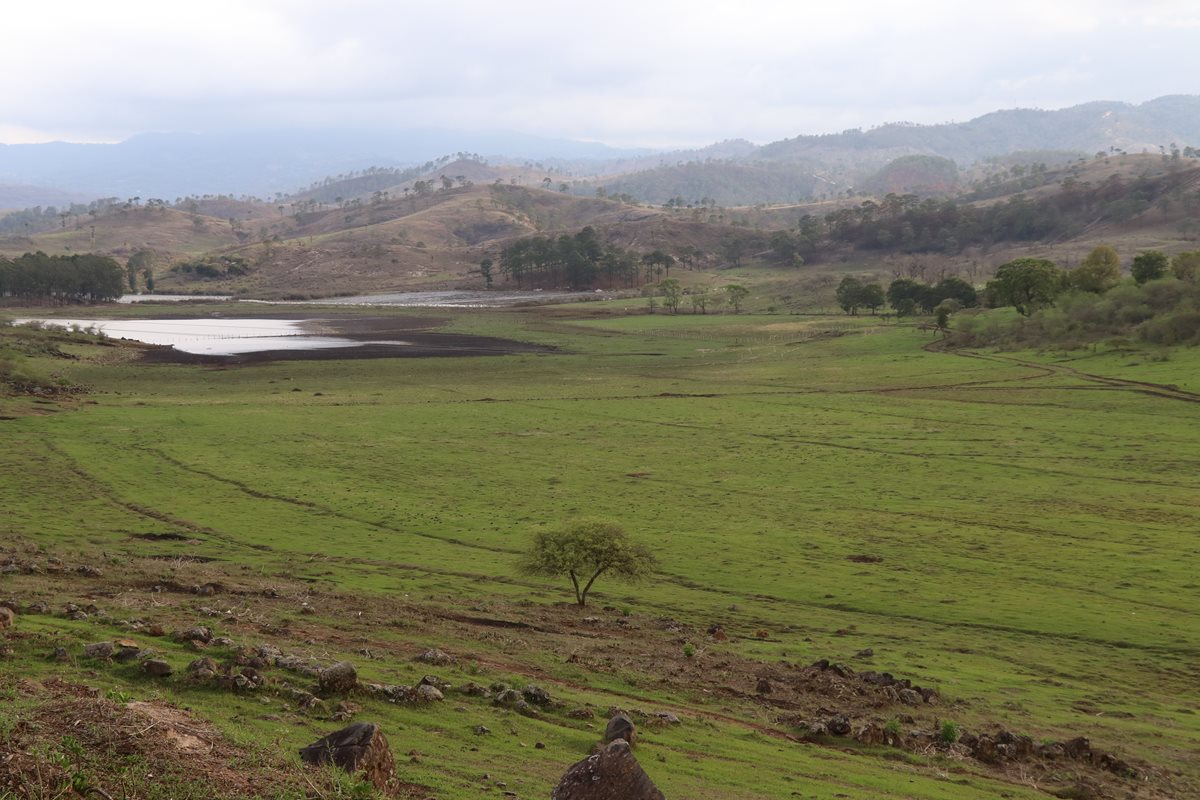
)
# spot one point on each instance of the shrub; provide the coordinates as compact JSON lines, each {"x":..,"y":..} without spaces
{"x":949,"y":732}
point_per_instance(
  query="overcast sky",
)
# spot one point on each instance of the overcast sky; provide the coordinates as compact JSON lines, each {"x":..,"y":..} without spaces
{"x":623,"y":72}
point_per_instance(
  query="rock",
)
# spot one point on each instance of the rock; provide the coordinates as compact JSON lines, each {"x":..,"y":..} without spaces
{"x":360,"y":747}
{"x":870,"y":734}
{"x":910,"y":697}
{"x":984,"y":749}
{"x":155,"y":629}
{"x":611,"y":773}
{"x":508,"y":698}
{"x":345,"y":711}
{"x":428,"y":694}
{"x":475,"y":690}
{"x":60,"y":655}
{"x":435,"y":682}
{"x":667,"y":717}
{"x":39,"y":608}
{"x":100,"y":650}
{"x":536,"y":695}
{"x":88,"y":571}
{"x":763,"y":687}
{"x":7,"y":618}
{"x":580,"y":713}
{"x":338,"y":679}
{"x":157,"y":668}
{"x":929,"y":696}
{"x":204,"y":664}
{"x":199,"y":633}
{"x":839,"y":726}
{"x":77,"y":616}
{"x":222,"y":641}
{"x":868,"y":653}
{"x":1078,"y":747}
{"x":620,"y":727}
{"x":481,"y":730}
{"x":435,"y":656}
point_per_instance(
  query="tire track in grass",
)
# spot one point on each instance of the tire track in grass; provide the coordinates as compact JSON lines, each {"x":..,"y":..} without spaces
{"x":316,"y":507}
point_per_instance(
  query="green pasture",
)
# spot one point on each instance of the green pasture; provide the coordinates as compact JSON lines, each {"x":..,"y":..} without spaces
{"x":1034,"y":531}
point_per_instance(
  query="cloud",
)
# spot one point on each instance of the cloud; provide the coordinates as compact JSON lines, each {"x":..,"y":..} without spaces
{"x":648,"y":72}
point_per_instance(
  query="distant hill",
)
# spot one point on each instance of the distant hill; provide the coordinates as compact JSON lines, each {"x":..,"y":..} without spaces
{"x":916,"y":175}
{"x":857,"y":159}
{"x":261,"y":163}
{"x":15,"y":197}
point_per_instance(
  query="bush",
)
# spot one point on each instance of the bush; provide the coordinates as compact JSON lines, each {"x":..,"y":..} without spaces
{"x":949,"y":732}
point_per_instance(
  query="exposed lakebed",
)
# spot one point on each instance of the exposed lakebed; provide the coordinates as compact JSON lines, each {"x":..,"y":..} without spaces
{"x":271,"y":338}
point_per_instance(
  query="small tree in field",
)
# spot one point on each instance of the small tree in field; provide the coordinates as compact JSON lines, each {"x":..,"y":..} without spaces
{"x":583,"y":551}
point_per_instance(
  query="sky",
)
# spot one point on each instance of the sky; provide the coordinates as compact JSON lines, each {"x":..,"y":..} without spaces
{"x":652,"y":73}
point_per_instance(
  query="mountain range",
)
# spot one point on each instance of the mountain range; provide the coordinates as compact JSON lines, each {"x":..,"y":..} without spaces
{"x":265,"y":163}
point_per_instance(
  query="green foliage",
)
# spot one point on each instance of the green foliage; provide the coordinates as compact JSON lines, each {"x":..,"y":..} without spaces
{"x":689,"y":650}
{"x":949,"y":732}
{"x":1186,"y":266}
{"x":1027,"y":284}
{"x":586,"y":549}
{"x":57,"y":280}
{"x":736,"y":295}
{"x":578,"y":262}
{"x":672,"y":292}
{"x":1099,"y":271}
{"x":1149,"y":266}
{"x":213,"y":267}
{"x":852,"y":294}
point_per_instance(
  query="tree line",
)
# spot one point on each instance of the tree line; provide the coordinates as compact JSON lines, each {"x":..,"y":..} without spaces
{"x":61,"y":280}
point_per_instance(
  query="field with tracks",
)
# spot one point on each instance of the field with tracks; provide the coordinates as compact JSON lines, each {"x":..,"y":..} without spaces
{"x":1017,"y":531}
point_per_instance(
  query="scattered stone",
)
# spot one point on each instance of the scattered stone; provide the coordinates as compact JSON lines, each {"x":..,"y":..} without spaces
{"x":429,"y":694}
{"x":508,"y":698}
{"x":475,"y":690}
{"x":539,"y":745}
{"x":39,"y":608}
{"x":910,"y":697}
{"x":360,"y":747}
{"x":78,"y":615}
{"x":666,"y":717}
{"x":536,"y":695}
{"x":435,"y":656}
{"x":435,"y":682}
{"x":60,"y":655}
{"x":7,"y":618}
{"x":199,"y":633}
{"x":581,"y":713}
{"x":345,"y":710}
{"x":338,"y":679}
{"x":154,"y":629}
{"x":222,"y":641}
{"x":871,"y":734}
{"x":611,"y":773}
{"x":763,"y":687}
{"x":101,"y":651}
{"x":867,"y":653}
{"x":482,"y":730}
{"x":88,"y":571}
{"x":838,"y":726}
{"x":157,"y":668}
{"x":620,"y":727}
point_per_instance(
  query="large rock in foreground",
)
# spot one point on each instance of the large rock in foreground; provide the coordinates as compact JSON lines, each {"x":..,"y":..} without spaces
{"x":611,"y":774}
{"x":360,"y":747}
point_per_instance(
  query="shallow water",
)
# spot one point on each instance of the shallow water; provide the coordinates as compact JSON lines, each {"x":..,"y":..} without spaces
{"x":215,"y":337}
{"x":453,"y":298}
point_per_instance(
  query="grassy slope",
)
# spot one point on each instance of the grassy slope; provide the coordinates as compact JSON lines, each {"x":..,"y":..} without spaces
{"x":1035,"y":528}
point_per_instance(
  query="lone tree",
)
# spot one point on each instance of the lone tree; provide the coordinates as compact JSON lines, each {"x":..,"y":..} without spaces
{"x":583,"y":551}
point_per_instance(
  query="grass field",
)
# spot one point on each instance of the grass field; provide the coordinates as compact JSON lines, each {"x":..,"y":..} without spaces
{"x":1031,"y":522}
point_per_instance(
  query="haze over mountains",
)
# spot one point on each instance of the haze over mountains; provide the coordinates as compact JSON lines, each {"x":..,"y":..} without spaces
{"x":264,"y":163}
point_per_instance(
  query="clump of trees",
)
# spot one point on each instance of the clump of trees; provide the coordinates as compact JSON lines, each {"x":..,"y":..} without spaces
{"x":583,"y":551}
{"x":906,"y":296}
{"x":1160,"y":305}
{"x":213,"y":267}
{"x":61,"y":280}
{"x":579,"y":261}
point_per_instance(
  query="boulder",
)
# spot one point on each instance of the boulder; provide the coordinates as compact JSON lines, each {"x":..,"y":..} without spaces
{"x":338,"y":679}
{"x":839,"y":726}
{"x":536,"y":695}
{"x":100,"y":650}
{"x":199,"y":633}
{"x":7,"y":617}
{"x":620,"y":727}
{"x":911,"y":697}
{"x":435,"y":656}
{"x":763,"y":686}
{"x":611,"y":773}
{"x":428,"y":694}
{"x":361,"y":748}
{"x":156,"y":668}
